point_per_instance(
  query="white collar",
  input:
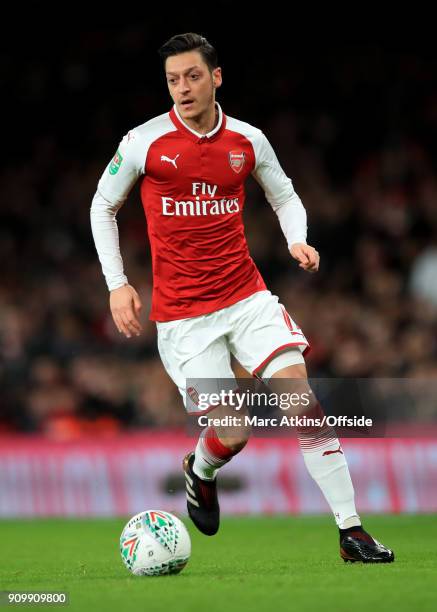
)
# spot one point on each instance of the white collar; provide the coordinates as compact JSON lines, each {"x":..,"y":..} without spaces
{"x":210,"y":134}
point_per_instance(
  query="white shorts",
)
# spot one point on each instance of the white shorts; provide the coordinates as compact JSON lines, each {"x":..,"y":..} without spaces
{"x":258,"y":331}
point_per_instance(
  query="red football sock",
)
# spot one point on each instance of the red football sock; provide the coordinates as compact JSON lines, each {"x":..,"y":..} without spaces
{"x":210,"y":454}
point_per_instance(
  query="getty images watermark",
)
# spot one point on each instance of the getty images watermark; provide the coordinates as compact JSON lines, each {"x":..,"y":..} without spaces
{"x":354,"y":407}
{"x":238,"y":400}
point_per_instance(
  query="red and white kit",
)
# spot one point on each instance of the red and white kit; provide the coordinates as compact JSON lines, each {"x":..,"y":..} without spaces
{"x":193,"y":196}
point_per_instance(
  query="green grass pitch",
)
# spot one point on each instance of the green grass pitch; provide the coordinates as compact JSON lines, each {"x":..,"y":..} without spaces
{"x":255,"y":564}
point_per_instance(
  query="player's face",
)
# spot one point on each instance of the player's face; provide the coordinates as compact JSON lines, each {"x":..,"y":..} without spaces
{"x":191,"y":83}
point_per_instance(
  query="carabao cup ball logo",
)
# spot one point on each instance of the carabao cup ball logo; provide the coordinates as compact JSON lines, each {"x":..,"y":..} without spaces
{"x":128,"y":546}
{"x":237,"y":160}
{"x":163,"y":528}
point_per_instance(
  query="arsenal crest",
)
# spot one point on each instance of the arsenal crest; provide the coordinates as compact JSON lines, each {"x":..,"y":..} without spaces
{"x":236,"y":160}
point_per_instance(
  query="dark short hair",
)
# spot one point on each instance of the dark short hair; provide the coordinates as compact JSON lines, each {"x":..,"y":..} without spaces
{"x":190,"y":42}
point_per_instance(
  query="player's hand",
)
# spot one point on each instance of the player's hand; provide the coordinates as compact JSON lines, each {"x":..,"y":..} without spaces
{"x":125,"y":307}
{"x":306,"y":255}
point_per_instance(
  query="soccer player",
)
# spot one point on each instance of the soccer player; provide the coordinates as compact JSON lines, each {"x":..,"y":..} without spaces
{"x":209,"y":299}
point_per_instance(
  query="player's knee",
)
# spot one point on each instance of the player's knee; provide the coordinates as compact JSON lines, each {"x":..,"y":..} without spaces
{"x":231,"y":427}
{"x":235,"y":440}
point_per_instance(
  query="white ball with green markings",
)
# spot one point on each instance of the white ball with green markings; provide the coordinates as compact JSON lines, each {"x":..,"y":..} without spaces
{"x":154,"y":543}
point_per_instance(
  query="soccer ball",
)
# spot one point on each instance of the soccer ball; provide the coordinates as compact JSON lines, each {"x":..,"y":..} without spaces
{"x":154,"y":543}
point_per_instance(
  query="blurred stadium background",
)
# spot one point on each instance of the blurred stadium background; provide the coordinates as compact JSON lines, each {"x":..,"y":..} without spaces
{"x":90,"y":424}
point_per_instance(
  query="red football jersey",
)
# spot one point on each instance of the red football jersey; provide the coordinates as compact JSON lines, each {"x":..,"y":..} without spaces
{"x":193,"y":196}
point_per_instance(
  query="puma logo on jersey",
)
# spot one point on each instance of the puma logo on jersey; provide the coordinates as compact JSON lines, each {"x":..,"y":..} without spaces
{"x":170,"y":161}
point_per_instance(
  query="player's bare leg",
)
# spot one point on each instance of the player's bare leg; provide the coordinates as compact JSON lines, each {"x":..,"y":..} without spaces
{"x":326,"y":463}
{"x":215,"y":447}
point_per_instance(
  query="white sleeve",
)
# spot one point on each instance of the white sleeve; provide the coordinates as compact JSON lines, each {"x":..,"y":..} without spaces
{"x":279,"y":192}
{"x":114,"y":186}
{"x":105,"y":234}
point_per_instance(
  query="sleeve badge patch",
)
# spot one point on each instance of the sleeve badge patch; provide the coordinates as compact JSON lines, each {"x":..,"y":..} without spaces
{"x":115,"y":163}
